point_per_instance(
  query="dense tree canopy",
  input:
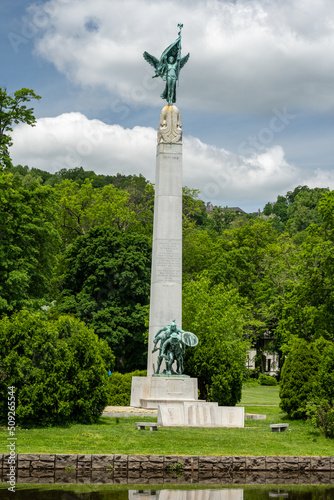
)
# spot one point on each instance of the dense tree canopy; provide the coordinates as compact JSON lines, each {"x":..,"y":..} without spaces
{"x":217,"y":315}
{"x":106,"y":283}
{"x":29,"y":243}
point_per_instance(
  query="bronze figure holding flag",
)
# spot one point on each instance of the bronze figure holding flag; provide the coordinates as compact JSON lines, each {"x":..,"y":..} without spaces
{"x":168,"y":67}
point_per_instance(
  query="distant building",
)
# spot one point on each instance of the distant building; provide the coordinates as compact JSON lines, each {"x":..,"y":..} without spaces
{"x":236,"y":210}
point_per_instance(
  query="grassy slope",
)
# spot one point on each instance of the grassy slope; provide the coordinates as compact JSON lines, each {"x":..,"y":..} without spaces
{"x":259,"y":395}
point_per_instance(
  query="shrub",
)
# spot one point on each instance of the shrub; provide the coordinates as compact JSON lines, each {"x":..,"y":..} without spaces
{"x":321,"y":409}
{"x":119,"y":387}
{"x":325,"y":381}
{"x":267,"y":380}
{"x":297,"y":377}
{"x":321,"y":414}
{"x":59,"y":369}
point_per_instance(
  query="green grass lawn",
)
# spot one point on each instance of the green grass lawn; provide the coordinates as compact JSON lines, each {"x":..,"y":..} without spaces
{"x":259,"y":395}
{"x":111,"y":435}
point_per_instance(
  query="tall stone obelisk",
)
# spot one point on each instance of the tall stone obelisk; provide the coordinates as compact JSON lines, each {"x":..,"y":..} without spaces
{"x":166,"y":277}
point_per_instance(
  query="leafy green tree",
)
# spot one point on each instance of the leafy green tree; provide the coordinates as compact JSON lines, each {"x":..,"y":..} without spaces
{"x":13,"y":111}
{"x":280,"y":208}
{"x":308,"y":309}
{"x":194,"y":211}
{"x":198,"y":252}
{"x":28,"y":243}
{"x":59,"y":370}
{"x":326,"y":210}
{"x":298,"y":375}
{"x":81,"y":208}
{"x":303,"y":211}
{"x":220,"y":219}
{"x":107,"y":284}
{"x":321,"y":405}
{"x":324,"y":386}
{"x":217,"y":316}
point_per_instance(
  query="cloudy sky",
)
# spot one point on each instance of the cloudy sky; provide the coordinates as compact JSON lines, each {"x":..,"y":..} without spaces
{"x":256,"y":97}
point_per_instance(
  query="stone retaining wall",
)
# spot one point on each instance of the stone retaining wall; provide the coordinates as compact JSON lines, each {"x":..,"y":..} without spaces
{"x":123,"y":463}
{"x":153,"y":469}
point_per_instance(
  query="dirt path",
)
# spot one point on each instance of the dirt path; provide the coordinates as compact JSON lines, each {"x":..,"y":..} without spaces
{"x":128,"y":411}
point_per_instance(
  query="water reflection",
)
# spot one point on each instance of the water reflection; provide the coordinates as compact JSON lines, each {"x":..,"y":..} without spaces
{"x":109,"y":492}
{"x":207,"y":494}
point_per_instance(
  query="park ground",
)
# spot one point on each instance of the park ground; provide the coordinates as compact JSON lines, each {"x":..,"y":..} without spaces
{"x":116,"y":433}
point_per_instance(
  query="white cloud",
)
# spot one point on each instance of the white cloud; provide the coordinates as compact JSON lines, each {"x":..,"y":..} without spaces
{"x":71,"y":140}
{"x":245,"y":56}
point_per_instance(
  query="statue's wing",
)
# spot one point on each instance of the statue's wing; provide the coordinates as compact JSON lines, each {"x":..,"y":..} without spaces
{"x":184,"y":60}
{"x":153,"y":61}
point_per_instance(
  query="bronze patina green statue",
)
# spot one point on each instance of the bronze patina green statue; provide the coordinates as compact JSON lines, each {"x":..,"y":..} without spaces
{"x":172,"y":347}
{"x":168,"y":67}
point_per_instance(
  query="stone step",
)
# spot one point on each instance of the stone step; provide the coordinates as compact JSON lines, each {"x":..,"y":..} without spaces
{"x":152,"y":403}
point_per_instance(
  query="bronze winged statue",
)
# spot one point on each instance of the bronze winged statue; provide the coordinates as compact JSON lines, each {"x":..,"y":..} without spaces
{"x":168,"y":67}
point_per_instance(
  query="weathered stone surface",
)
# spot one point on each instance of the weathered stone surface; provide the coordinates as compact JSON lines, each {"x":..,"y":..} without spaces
{"x":134,"y":466}
{"x":225,"y":463}
{"x":41,"y":464}
{"x":255,"y":463}
{"x":29,"y":456}
{"x":121,"y":462}
{"x":24,"y":464}
{"x":23,"y":473}
{"x":46,"y":457}
{"x":63,"y":461}
{"x":101,"y":476}
{"x":102,"y":461}
{"x":30,"y":480}
{"x":154,"y":459}
{"x":272,"y":463}
{"x":120,"y":459}
{"x":304,"y":463}
{"x":170,"y":459}
{"x":288,"y":464}
{"x":239,"y":463}
{"x":64,"y":476}
{"x":256,"y":477}
{"x":87,"y":459}
{"x":188,"y":462}
{"x":138,"y":458}
{"x":208,"y":459}
{"x":321,"y":477}
{"x":158,"y":466}
{"x":321,"y":463}
{"x":83,"y":479}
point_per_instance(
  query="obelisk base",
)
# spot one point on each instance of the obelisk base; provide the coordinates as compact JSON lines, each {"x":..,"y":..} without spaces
{"x":149,"y":392}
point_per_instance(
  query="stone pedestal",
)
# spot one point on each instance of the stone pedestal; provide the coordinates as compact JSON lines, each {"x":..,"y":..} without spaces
{"x":199,"y":414}
{"x":149,"y":392}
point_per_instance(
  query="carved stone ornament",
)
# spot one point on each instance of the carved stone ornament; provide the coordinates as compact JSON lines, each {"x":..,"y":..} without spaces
{"x":170,"y":128}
